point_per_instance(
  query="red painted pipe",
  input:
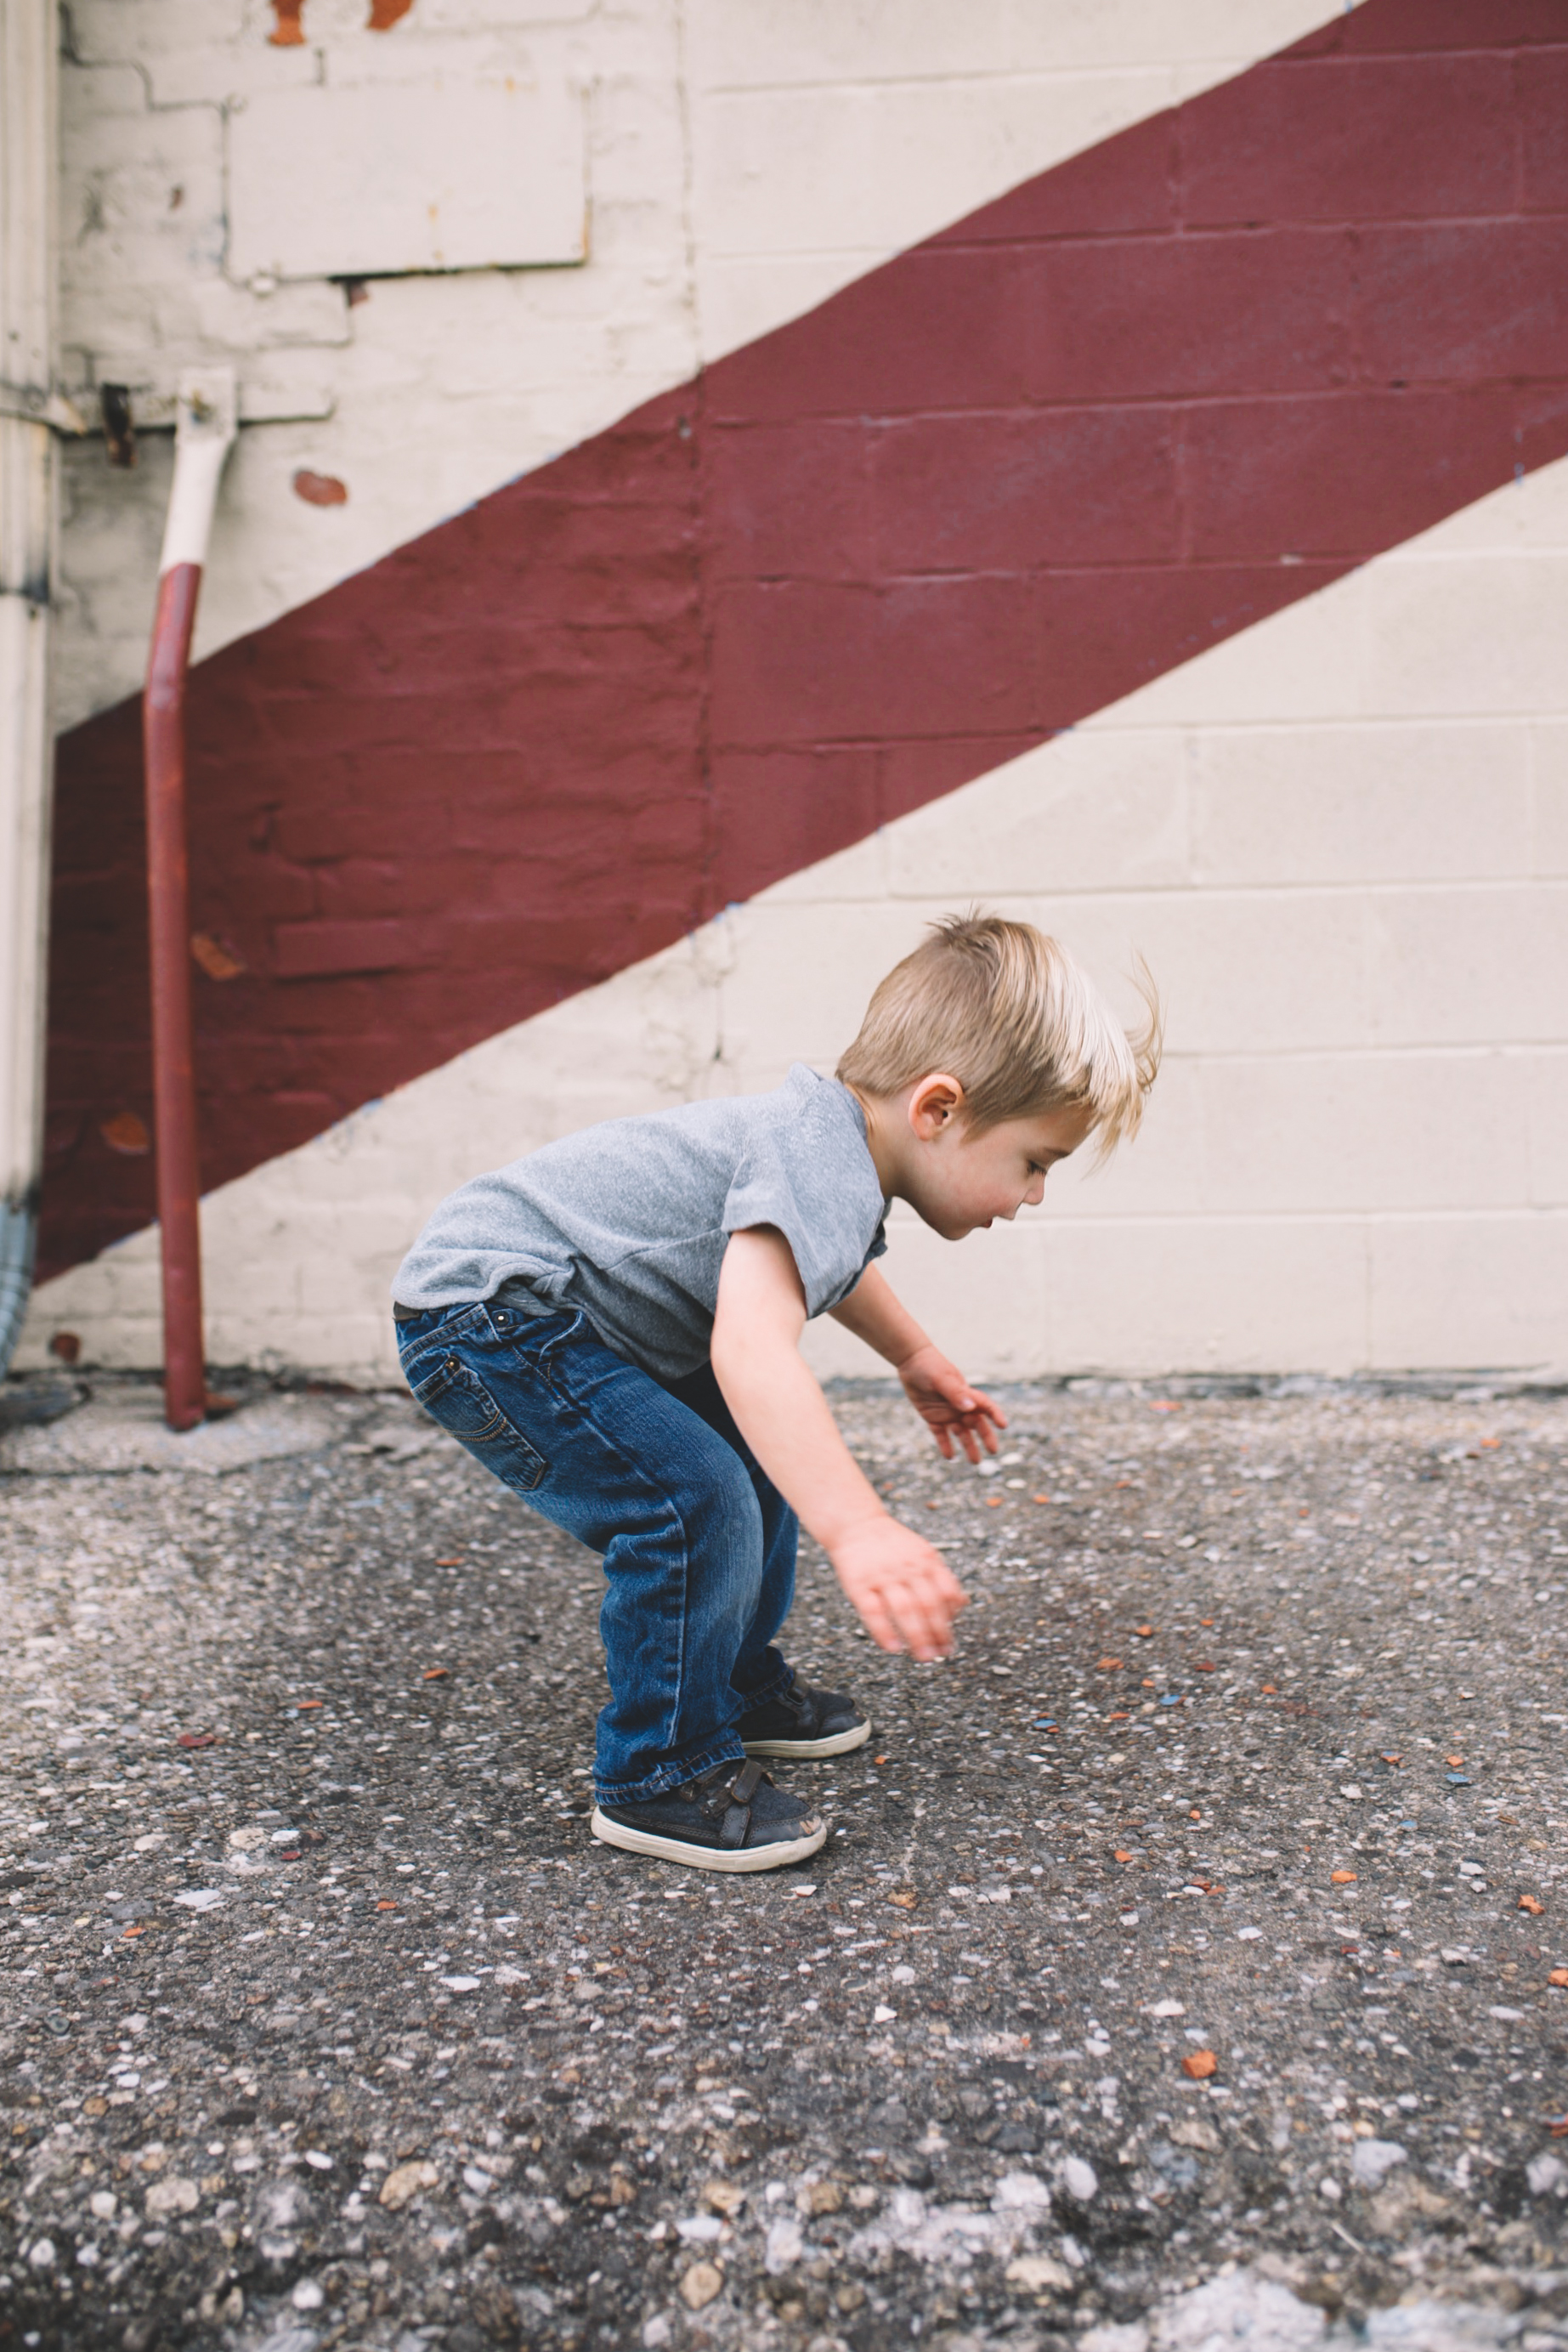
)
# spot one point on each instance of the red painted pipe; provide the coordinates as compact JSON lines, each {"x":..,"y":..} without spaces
{"x":173,"y":1053}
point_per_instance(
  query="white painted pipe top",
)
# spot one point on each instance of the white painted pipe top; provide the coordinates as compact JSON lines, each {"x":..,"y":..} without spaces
{"x":203,"y":433}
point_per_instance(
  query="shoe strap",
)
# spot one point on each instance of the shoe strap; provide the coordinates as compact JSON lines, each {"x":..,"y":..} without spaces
{"x":737,"y":1820}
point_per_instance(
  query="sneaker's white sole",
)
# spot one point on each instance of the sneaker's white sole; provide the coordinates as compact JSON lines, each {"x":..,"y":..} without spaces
{"x":838,"y":1744}
{"x":706,"y":1857}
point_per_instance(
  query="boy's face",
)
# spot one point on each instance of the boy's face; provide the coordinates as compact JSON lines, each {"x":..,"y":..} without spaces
{"x":959,"y":1182}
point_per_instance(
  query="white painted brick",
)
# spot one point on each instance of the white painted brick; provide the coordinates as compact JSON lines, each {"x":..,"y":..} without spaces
{"x":1548,"y":777}
{"x":860,"y":874}
{"x":1427,"y":650}
{"x":802,"y":979}
{"x":857,"y":152}
{"x":1220,"y":34}
{"x":1095,"y":810}
{"x":208,"y":75}
{"x":739,"y":300}
{"x":1414,"y":802}
{"x":776,"y":41}
{"x":1240,"y":971}
{"x":1472,"y":1290}
{"x":1300,"y":664}
{"x":823,"y":41}
{"x":1548,"y":1130}
{"x":1303,"y":1135}
{"x":122,"y":32}
{"x":951,"y":1288}
{"x":1474,"y":967}
{"x":1531,"y":511}
{"x":1236,"y":1293}
{"x":1164,"y":1172}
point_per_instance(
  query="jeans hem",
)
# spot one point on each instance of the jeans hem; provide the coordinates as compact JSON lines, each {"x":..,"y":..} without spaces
{"x":724,"y":1750}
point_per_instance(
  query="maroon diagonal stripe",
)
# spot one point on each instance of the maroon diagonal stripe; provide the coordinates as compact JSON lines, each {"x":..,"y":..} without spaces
{"x":1142,"y":402}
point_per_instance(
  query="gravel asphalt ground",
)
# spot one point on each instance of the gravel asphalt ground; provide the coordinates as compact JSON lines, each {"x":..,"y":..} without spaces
{"x":1188,"y":1965}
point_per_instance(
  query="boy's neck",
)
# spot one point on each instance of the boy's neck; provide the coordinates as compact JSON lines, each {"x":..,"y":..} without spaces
{"x":882,"y":1119}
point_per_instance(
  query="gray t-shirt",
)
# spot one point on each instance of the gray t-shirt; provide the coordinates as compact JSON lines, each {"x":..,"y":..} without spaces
{"x":629,"y":1219}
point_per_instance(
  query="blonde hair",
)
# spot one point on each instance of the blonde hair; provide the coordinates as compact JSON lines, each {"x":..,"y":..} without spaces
{"x":1009,"y":1014}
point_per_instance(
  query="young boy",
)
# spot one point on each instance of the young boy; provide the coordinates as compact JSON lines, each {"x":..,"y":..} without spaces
{"x":612,"y":1326}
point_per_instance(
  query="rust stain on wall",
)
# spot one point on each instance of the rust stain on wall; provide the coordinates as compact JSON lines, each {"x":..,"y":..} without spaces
{"x":320,"y":490}
{"x":126,"y":1133}
{"x":288,"y":33}
{"x":385,"y":14}
{"x":218,"y":961}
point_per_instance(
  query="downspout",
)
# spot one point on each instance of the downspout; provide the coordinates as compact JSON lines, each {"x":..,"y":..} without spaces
{"x":28,"y":414}
{"x":202,"y":439}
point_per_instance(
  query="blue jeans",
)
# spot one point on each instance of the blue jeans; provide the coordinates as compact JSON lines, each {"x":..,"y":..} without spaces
{"x":698,"y":1546}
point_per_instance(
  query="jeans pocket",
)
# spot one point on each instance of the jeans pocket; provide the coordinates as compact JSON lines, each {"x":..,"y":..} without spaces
{"x":451,"y":1394}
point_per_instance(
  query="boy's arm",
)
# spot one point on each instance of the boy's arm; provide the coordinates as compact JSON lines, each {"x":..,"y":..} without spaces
{"x":901,"y":1587}
{"x":934,"y":1387}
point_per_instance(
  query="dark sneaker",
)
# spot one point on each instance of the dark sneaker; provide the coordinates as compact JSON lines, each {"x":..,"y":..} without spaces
{"x":732,"y":1819}
{"x":804,"y":1722}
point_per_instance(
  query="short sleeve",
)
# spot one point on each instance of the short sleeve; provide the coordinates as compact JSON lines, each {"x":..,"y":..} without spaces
{"x":811,"y":1176}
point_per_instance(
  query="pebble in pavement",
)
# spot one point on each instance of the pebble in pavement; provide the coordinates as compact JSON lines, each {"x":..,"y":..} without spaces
{"x":324,"y":2021}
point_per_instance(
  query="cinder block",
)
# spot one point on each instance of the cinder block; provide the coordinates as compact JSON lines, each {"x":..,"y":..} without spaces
{"x":1103,"y":633}
{"x":1310,"y":1135}
{"x":1530,"y":512}
{"x":1488,"y":965}
{"x":1094,"y":810}
{"x":832,"y":963}
{"x":853,"y":874}
{"x":1459,"y":301}
{"x":1406,"y":802}
{"x":1241,"y":971}
{"x":1481,"y":1293}
{"x":1007,"y":493}
{"x":983,"y":1301}
{"x":801,"y":661}
{"x":949,"y":330}
{"x":771,"y":809}
{"x":1543,"y":101}
{"x":1361,"y":139}
{"x":1163,"y":1173}
{"x":1549,"y":778}
{"x":820,"y":42}
{"x":792,"y":500}
{"x":1266,"y":312}
{"x":740,"y":298}
{"x":1303,"y":661}
{"x":1253,"y":471}
{"x":816,"y":166}
{"x":1548,"y":1130}
{"x":1241,"y":1293}
{"x":1213,"y":37}
{"x":1465,"y":636}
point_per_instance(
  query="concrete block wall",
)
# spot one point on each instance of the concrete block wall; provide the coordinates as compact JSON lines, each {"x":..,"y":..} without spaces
{"x":1339,"y":835}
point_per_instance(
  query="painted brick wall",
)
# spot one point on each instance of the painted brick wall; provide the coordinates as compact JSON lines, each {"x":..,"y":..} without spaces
{"x":1342,"y":839}
{"x":743,"y":165}
{"x":1301,"y":846}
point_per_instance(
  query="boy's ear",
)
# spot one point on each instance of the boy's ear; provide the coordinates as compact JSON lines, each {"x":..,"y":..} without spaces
{"x":936,"y":1103}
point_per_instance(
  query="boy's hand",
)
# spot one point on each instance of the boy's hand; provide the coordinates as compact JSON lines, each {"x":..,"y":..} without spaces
{"x":948,"y":1404}
{"x":903,"y":1593}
